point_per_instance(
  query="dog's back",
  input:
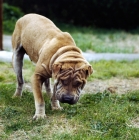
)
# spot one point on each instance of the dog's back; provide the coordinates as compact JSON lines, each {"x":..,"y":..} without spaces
{"x":32,"y":31}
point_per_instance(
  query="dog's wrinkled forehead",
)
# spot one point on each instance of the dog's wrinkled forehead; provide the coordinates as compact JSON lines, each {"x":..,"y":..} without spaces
{"x":70,"y":73}
{"x":71,"y":70}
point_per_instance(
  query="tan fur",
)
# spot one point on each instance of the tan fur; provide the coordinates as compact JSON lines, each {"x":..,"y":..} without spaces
{"x":51,"y":50}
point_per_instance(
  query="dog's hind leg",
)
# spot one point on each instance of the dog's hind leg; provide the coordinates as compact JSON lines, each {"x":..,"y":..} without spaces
{"x":17,"y":59}
{"x":47,"y":84}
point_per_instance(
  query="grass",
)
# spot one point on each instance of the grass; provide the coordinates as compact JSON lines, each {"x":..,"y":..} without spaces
{"x":108,"y":69}
{"x":98,"y":116}
{"x":102,"y":70}
{"x":6,"y":73}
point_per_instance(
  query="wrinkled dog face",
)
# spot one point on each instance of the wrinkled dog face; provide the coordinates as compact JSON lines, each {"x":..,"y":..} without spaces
{"x":69,"y":81}
{"x":69,"y":85}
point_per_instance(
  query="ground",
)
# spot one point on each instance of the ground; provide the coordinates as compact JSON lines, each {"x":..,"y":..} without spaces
{"x":113,"y":85}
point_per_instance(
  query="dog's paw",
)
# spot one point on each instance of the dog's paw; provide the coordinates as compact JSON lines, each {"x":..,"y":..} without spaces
{"x":57,"y":108}
{"x":39,"y":116}
{"x":55,"y":105}
{"x":16,"y":95}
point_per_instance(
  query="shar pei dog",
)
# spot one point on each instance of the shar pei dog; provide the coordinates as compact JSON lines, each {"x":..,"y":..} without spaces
{"x":56,"y":55}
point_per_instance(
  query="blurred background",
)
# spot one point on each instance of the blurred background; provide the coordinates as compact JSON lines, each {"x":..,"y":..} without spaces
{"x":103,"y":13}
{"x":97,"y":26}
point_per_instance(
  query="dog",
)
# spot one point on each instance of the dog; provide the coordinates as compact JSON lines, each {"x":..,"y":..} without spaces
{"x":56,"y":56}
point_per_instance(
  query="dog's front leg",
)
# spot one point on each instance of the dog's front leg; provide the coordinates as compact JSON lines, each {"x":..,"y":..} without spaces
{"x":37,"y":82}
{"x":54,"y":102}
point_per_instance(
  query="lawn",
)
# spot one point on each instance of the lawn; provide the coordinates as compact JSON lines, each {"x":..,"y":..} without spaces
{"x":98,"y":116}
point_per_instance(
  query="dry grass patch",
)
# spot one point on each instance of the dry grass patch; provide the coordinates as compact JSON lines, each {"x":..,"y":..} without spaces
{"x":56,"y":126}
{"x":114,"y":85}
{"x":134,"y":123}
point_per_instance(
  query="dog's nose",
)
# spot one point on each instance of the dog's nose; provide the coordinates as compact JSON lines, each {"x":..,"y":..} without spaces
{"x":68,"y":99}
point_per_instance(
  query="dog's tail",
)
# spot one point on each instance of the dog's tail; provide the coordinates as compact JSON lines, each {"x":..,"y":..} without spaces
{"x":16,"y":36}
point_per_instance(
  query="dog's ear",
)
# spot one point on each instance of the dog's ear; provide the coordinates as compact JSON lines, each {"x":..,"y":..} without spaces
{"x":55,"y":69}
{"x":89,"y":70}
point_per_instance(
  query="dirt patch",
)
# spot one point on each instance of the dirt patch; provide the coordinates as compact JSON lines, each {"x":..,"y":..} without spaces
{"x":135,"y":123}
{"x":1,"y":125}
{"x":114,"y":85}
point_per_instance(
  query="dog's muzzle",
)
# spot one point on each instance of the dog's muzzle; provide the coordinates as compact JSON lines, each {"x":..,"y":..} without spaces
{"x":69,"y":99}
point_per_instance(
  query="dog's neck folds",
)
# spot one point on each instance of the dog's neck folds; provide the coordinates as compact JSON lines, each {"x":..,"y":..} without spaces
{"x":67,"y":54}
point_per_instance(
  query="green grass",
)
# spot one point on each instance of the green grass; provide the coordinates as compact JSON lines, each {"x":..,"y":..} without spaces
{"x":98,"y":116}
{"x":102,"y":70}
{"x":6,"y":72}
{"x":108,"y":69}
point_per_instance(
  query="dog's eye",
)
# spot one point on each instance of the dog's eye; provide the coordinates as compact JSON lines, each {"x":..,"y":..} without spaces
{"x":65,"y":82}
{"x":77,"y":83}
